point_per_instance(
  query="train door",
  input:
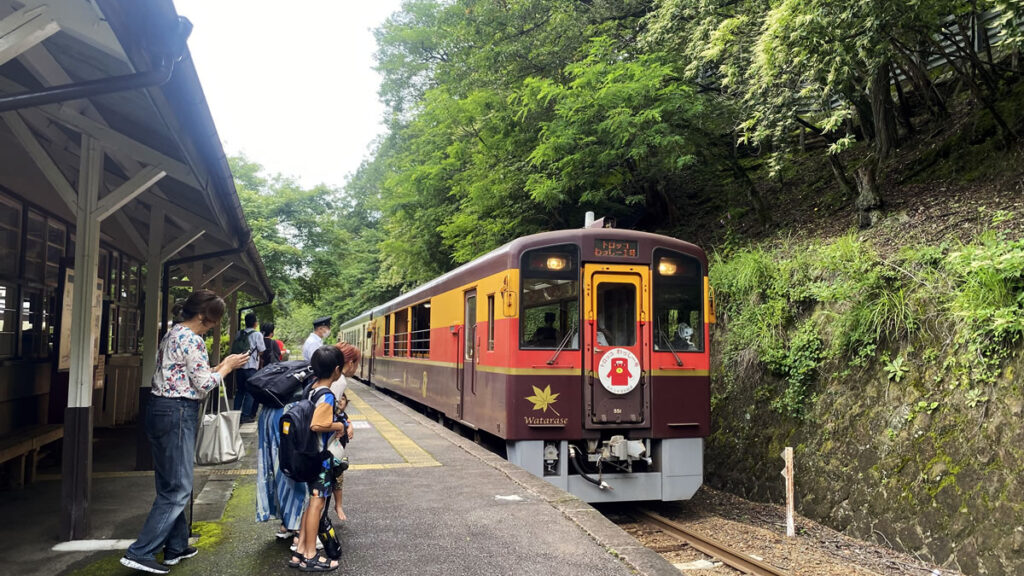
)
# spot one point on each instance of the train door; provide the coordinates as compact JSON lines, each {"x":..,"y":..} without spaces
{"x":616,"y":391}
{"x":467,"y":377}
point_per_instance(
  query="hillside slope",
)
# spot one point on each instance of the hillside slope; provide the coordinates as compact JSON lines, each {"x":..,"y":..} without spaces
{"x":889,"y":357}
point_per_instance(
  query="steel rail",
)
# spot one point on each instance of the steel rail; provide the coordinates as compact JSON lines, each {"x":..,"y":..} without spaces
{"x":737,"y":560}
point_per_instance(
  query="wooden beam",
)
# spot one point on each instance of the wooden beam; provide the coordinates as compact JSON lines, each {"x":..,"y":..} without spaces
{"x":187,"y":218}
{"x":178,"y":245}
{"x":207,"y":278}
{"x":231,"y":290}
{"x":82,"y":21}
{"x":117,"y":141}
{"x":76,"y":468}
{"x":124,"y":193}
{"x":118,"y":144}
{"x":23,"y":30}
{"x":43,"y":160}
{"x":87,"y":231}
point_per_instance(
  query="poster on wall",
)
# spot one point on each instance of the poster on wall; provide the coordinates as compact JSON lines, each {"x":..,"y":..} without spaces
{"x":65,"y":323}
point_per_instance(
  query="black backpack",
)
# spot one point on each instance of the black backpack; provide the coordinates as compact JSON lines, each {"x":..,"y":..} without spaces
{"x":276,"y":384}
{"x":241,"y":343}
{"x":300,"y":455}
{"x":271,"y":353}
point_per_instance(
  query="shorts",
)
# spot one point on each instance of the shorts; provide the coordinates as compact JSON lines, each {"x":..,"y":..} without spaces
{"x":324,"y":481}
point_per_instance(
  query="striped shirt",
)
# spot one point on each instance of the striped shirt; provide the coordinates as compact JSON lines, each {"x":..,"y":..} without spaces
{"x":183,"y":366}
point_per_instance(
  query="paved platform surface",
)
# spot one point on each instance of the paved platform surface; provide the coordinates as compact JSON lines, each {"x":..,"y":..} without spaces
{"x":420,"y":500}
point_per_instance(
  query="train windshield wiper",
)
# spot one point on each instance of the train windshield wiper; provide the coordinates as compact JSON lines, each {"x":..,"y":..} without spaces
{"x":665,"y":339}
{"x":565,"y":340}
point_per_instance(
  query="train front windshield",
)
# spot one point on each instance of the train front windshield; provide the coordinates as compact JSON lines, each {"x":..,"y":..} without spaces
{"x":550,"y":315}
{"x":678,"y":302}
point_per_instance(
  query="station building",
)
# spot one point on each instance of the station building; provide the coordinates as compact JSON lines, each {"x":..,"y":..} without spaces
{"x":111,"y":170}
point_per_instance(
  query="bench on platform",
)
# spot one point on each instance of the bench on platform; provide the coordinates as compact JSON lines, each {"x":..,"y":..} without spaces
{"x":24,"y":444}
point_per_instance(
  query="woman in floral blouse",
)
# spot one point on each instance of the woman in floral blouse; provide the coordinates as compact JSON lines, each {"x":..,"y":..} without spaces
{"x":183,"y":377}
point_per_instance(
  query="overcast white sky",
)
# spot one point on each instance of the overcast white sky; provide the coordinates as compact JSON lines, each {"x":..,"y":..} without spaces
{"x":291,"y":84}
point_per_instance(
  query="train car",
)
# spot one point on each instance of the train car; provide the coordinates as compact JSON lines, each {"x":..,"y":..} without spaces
{"x":586,"y":351}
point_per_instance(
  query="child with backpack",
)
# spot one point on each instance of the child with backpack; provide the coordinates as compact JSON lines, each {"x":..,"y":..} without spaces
{"x":352,"y":356}
{"x":327,"y":364}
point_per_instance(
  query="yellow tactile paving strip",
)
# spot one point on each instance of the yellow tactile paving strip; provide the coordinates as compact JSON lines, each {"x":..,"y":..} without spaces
{"x":407,"y":449}
{"x":414,"y":456}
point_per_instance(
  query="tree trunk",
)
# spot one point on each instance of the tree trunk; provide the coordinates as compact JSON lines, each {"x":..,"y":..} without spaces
{"x":839,"y":171}
{"x":867,"y":122}
{"x":922,"y":82}
{"x":886,"y":135}
{"x":1009,"y":135}
{"x":906,"y":116}
{"x":869,"y":198}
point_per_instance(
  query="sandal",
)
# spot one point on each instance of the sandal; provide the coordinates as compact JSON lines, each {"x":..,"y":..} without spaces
{"x":317,"y":564}
{"x":295,"y":561}
{"x":283,"y":533}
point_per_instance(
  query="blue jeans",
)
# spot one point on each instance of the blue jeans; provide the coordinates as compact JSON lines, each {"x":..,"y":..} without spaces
{"x":243,"y":400}
{"x":171,"y":425}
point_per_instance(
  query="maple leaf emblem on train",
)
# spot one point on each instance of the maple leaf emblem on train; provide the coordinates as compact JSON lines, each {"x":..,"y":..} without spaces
{"x":543,"y":399}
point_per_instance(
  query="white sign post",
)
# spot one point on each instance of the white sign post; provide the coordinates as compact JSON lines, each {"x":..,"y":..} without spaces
{"x":787,"y":473}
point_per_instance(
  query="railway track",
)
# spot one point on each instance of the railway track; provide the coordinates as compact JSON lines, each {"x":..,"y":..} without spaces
{"x":737,"y":560}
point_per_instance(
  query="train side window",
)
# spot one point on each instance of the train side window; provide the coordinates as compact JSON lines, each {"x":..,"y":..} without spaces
{"x":549,"y":304}
{"x":402,"y":333}
{"x":420,"y":339}
{"x":678,"y":302}
{"x":490,"y":322}
{"x":387,"y":335}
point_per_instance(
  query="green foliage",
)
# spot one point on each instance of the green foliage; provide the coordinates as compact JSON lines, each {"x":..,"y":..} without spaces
{"x":801,"y":307}
{"x":797,"y":363}
{"x":975,"y":397}
{"x":896,"y":369}
{"x":510,"y":118}
{"x":620,"y":130}
{"x":990,"y":301}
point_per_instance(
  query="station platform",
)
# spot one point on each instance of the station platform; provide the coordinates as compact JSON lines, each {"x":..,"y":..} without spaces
{"x":420,"y":500}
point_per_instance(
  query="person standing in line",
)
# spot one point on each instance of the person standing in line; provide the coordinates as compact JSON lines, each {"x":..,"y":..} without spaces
{"x":243,"y":400}
{"x":321,"y":328}
{"x":277,"y":495}
{"x":272,"y":352}
{"x":183,"y":377}
{"x":327,"y":363}
{"x":338,"y":388}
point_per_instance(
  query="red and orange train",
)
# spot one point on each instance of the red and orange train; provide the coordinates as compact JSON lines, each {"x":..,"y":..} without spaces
{"x":586,"y":351}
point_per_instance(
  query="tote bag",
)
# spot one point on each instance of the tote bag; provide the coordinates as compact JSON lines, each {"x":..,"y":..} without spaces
{"x":220,"y":432}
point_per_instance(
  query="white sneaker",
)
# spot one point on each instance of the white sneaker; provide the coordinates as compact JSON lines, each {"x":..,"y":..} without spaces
{"x":319,"y":545}
{"x":144,"y":565}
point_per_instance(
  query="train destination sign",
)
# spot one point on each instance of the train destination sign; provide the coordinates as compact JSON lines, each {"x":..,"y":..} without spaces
{"x":620,"y":248}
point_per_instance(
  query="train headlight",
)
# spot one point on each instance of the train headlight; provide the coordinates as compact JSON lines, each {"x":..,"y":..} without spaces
{"x":667,"y":267}
{"x":555,"y":263}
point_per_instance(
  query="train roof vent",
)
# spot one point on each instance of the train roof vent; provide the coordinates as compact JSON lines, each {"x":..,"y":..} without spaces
{"x":604,"y":222}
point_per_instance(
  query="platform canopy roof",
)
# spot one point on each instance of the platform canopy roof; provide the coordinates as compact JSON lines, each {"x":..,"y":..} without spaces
{"x":162,"y":133}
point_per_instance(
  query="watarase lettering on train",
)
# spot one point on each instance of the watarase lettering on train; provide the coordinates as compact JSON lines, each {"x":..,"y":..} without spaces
{"x":535,"y":421}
